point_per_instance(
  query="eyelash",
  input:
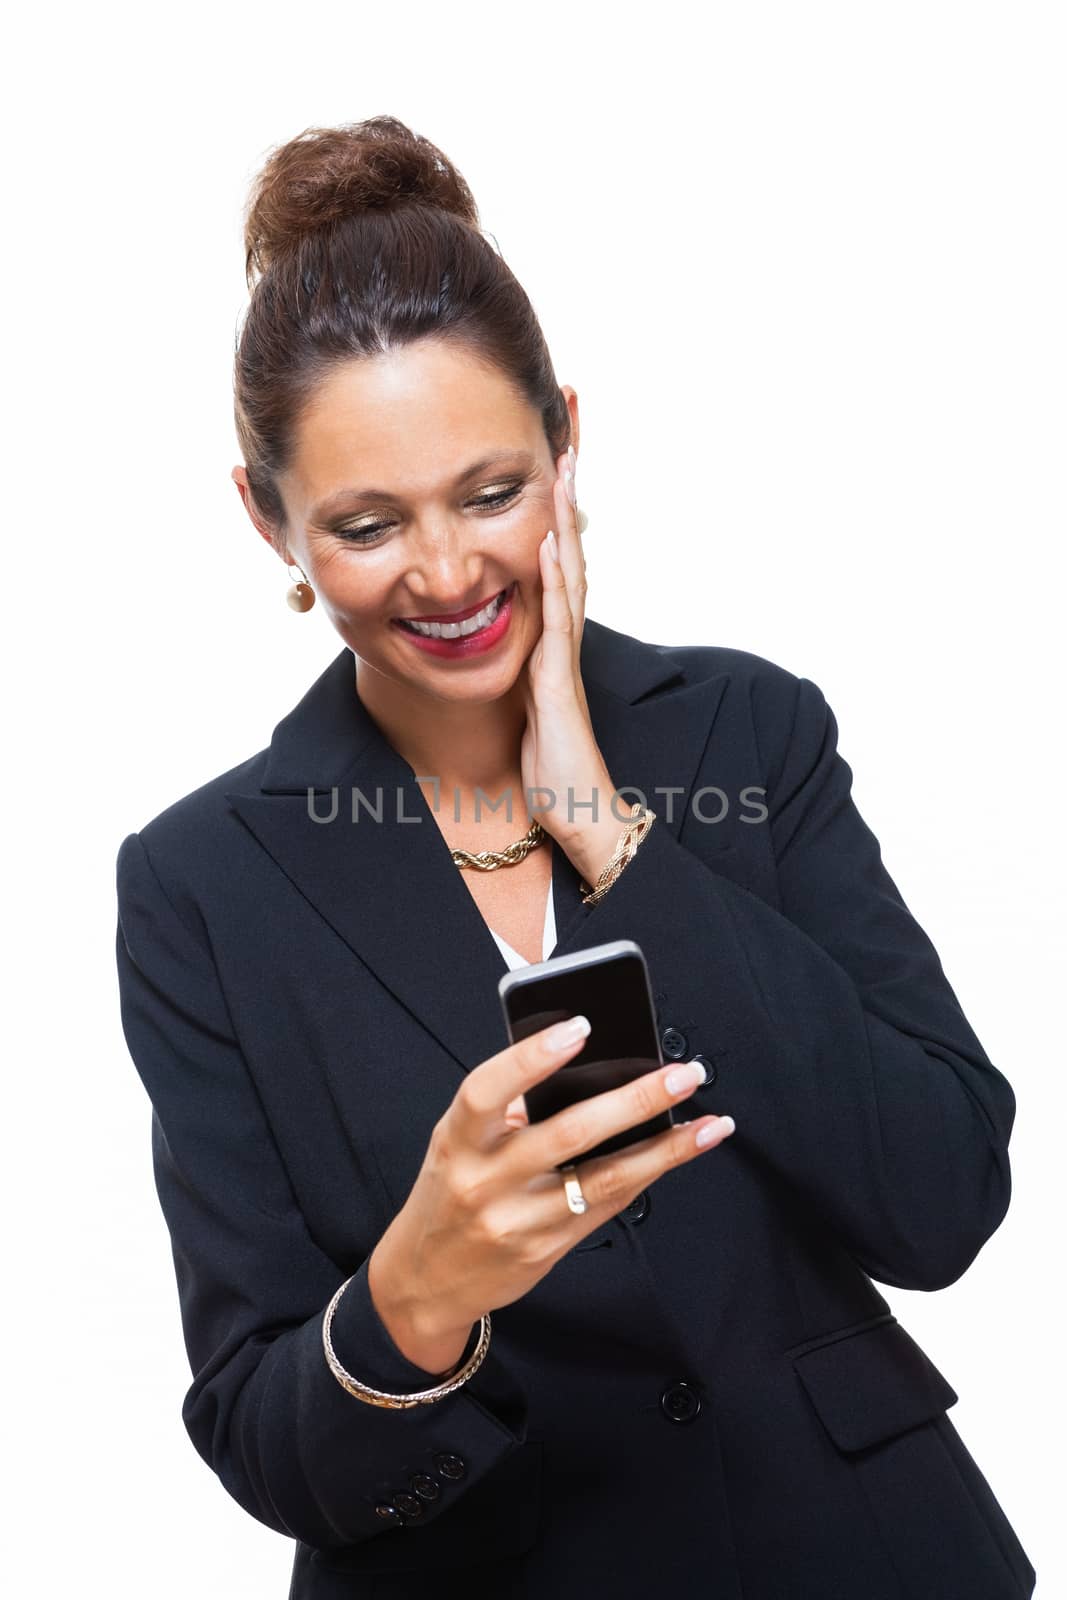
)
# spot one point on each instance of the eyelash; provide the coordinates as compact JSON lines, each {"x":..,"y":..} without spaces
{"x":368,"y":534}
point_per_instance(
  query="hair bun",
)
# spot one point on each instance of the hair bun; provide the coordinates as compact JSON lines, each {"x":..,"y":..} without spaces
{"x":326,"y":174}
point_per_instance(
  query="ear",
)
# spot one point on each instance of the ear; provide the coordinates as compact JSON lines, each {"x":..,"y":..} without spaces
{"x":572,"y":406}
{"x":262,"y":526}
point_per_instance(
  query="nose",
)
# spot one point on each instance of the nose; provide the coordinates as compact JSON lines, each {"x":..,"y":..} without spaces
{"x":445,"y":573}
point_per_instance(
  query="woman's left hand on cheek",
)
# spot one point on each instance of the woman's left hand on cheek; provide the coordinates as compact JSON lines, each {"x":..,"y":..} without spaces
{"x":559,"y":748}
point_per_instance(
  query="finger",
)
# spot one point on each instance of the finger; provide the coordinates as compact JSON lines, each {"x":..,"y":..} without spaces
{"x":585,"y":1124}
{"x":515,"y":1115}
{"x":556,"y":666}
{"x":610,"y":1182}
{"x":572,"y":526}
{"x":572,"y":553}
{"x":489,"y":1090}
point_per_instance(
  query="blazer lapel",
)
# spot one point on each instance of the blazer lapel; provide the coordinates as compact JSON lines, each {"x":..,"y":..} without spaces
{"x":386,"y":882}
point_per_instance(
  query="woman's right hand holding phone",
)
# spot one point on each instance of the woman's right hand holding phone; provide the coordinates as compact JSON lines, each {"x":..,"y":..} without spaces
{"x":487,"y":1216}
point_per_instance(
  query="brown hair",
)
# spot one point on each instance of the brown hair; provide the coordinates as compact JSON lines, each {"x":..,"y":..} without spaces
{"x":360,"y":239}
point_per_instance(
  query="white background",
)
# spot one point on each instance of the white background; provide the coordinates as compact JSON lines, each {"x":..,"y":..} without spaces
{"x":805,"y":267}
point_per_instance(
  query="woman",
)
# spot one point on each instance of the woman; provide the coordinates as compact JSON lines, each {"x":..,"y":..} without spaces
{"x":690,"y":1383}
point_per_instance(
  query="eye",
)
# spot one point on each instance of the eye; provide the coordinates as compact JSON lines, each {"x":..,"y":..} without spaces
{"x":368,"y":533}
{"x":500,"y":497}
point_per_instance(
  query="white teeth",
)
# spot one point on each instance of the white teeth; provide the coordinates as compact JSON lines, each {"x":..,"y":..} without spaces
{"x":460,"y":630}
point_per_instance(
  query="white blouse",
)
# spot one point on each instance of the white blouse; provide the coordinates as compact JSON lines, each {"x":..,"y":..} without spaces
{"x":548,"y":937}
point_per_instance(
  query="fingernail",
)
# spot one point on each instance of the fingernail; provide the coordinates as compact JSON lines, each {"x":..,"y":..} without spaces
{"x":553,"y":548}
{"x":568,"y":484}
{"x":712,"y":1130}
{"x":564,"y":1034}
{"x":571,"y":457}
{"x":686,"y":1077}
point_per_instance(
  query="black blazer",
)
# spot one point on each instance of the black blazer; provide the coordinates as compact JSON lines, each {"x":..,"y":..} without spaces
{"x":708,"y":1396}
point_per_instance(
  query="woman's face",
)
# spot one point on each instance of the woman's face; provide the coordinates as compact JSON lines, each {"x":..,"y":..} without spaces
{"x":421,"y":484}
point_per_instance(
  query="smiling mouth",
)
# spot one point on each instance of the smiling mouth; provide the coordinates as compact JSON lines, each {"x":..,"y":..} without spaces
{"x":458,"y":628}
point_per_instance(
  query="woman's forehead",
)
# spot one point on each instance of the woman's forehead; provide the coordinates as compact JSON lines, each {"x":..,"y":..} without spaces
{"x":408,"y":423}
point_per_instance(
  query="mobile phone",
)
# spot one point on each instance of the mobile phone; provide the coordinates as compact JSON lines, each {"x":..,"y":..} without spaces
{"x":608,"y":983}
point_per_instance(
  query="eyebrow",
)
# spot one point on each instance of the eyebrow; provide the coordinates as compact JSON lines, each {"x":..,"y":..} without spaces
{"x":343,"y":498}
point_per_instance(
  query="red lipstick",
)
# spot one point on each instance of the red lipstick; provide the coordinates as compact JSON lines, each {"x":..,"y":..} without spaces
{"x":473,"y":644}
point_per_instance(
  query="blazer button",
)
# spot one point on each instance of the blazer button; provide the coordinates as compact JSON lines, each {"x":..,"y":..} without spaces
{"x":409,"y":1504}
{"x":679,"y":1402}
{"x":709,"y":1067}
{"x":673,"y":1044}
{"x":388,"y":1513}
{"x":425,"y":1486}
{"x":638,"y":1208}
{"x":450,"y":1466}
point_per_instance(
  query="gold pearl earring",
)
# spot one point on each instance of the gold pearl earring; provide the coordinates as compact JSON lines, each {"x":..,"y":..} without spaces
{"x":301,"y":596}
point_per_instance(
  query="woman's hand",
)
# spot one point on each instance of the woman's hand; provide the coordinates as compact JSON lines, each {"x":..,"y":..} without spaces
{"x":487,"y":1216}
{"x":559,"y":752}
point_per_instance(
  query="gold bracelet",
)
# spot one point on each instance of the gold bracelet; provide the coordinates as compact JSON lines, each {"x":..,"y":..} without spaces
{"x":641,"y":820}
{"x":397,"y":1402}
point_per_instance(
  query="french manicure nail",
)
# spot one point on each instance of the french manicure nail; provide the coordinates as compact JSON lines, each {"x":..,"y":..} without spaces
{"x":686,"y":1077}
{"x":564,"y":1034}
{"x":712,"y":1130}
{"x":553,"y":548}
{"x":568,"y":484}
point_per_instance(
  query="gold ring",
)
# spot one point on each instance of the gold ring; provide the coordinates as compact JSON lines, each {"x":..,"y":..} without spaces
{"x":575,"y":1198}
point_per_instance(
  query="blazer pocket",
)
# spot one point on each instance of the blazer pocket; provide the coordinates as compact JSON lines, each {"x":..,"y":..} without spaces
{"x":872,"y":1383}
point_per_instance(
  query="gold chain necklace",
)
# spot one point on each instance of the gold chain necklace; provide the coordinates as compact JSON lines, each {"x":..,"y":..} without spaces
{"x":510,"y":856}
